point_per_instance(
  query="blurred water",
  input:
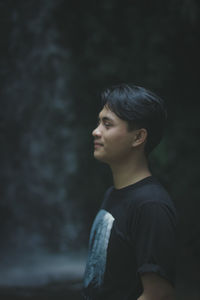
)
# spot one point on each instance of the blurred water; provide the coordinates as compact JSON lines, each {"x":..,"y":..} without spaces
{"x":38,"y":155}
{"x":42,"y":269}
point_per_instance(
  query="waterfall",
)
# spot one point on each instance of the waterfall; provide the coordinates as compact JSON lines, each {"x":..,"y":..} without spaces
{"x":38,"y":153}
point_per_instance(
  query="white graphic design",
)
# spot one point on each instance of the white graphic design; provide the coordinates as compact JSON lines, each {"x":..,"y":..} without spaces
{"x":98,"y":244}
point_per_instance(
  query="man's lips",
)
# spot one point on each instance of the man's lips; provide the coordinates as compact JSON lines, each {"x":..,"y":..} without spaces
{"x":97,"y":144}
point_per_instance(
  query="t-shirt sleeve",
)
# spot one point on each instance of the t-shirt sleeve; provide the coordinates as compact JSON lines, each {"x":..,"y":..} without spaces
{"x":154,"y":236}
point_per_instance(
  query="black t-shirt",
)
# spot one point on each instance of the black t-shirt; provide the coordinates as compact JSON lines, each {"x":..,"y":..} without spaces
{"x":133,"y":233}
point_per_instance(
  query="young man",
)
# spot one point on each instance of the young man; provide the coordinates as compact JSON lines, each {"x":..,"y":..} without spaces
{"x":132,"y":240}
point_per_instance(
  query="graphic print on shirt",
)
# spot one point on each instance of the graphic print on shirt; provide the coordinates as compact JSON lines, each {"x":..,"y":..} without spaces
{"x":98,"y":244}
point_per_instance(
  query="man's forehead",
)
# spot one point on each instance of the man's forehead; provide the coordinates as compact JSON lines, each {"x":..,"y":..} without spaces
{"x":106,"y":112}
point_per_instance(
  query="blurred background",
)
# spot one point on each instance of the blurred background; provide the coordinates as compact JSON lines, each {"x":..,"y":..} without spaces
{"x":55,"y":58}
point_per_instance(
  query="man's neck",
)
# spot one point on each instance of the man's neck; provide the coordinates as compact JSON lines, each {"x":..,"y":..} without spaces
{"x":128,"y":172}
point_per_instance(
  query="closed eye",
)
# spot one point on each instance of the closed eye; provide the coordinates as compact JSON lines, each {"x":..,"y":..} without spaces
{"x":105,"y":121}
{"x":107,"y":125}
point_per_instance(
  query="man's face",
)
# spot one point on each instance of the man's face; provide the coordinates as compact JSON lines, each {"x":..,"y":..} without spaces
{"x":112,"y":140}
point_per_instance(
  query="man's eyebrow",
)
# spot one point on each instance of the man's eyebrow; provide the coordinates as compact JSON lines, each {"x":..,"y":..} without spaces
{"x":105,"y":119}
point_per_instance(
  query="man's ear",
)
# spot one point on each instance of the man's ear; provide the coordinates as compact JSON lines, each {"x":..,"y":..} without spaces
{"x":140,"y":136}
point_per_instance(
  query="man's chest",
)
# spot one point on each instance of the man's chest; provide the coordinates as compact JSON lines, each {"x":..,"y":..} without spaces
{"x":120,"y":262}
{"x":111,"y":256}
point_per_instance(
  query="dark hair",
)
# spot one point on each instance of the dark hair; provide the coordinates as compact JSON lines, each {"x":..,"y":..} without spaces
{"x":140,"y":108}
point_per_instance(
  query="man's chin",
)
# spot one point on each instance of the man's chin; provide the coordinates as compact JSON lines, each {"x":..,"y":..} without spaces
{"x":99,"y":157}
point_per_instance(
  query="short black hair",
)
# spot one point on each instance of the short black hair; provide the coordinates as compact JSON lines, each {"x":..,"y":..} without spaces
{"x":140,"y":108}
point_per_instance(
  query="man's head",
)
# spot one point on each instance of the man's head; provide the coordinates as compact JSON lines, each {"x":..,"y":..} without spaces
{"x":140,"y":108}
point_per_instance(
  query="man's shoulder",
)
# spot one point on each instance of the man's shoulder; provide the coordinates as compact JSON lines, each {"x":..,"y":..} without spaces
{"x":144,"y":193}
{"x":152,"y":201}
{"x":151,"y":191}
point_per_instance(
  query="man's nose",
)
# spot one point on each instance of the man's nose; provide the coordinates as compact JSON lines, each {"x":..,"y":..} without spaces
{"x":96,"y":132}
